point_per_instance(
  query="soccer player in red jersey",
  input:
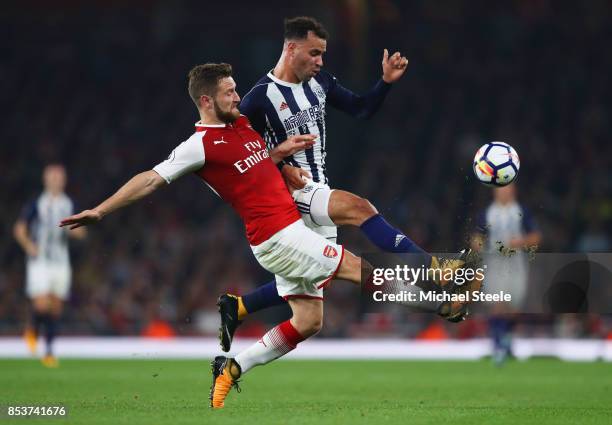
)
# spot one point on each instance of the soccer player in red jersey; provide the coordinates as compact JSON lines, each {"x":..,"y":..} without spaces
{"x":234,"y":162}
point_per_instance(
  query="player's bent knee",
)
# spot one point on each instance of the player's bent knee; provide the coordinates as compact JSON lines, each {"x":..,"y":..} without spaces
{"x":307,"y":326}
{"x":349,"y":209}
{"x":41,"y":303}
{"x":350,"y":268}
{"x":362,"y":210}
{"x":307,"y":317}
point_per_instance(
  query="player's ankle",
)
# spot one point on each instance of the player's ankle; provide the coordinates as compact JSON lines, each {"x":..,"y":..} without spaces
{"x":234,"y":369}
{"x":242,"y":311}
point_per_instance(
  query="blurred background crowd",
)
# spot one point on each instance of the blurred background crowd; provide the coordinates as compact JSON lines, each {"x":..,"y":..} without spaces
{"x":101,"y":87}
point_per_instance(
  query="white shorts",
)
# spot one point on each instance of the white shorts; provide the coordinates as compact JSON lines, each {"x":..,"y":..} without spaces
{"x":313,"y":203}
{"x":303,"y":261}
{"x":509,"y":275}
{"x":45,"y":278}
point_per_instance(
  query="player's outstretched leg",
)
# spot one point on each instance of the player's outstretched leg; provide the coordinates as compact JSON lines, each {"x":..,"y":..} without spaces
{"x":233,"y":308}
{"x":348,"y":209}
{"x":345,"y":208}
{"x":328,"y":208}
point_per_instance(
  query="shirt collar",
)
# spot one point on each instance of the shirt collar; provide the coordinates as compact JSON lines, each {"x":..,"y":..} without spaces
{"x":283,"y":83}
{"x":200,"y":126}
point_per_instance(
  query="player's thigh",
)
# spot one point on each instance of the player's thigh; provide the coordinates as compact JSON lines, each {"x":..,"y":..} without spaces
{"x":328,"y":232}
{"x":299,"y":256}
{"x":56,"y":305}
{"x":350,"y":267}
{"x":60,"y":277}
{"x":509,"y":276}
{"x":313,"y":203}
{"x":346,"y":208}
{"x":38,"y":284}
{"x":41,"y":303}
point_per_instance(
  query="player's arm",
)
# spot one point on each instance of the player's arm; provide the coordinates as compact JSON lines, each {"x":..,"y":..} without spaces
{"x":531,"y":233}
{"x":528,"y":240}
{"x":479,"y":235}
{"x":22,"y":236}
{"x":136,"y":188}
{"x":79,"y":233}
{"x":187,"y":157}
{"x":292,"y":145}
{"x":365,"y":106}
{"x":294,"y":176}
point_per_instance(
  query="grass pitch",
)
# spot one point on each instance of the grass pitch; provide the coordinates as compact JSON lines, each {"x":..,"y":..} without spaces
{"x":315,"y":392}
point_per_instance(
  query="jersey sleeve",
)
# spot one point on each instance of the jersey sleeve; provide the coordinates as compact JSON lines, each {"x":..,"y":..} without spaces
{"x":527,"y":222}
{"x":74,"y":206}
{"x":185,"y":158}
{"x":251,"y":105}
{"x":481,"y":223}
{"x":29,"y":211}
{"x":359,"y":106}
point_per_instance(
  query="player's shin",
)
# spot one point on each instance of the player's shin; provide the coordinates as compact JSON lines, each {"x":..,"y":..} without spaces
{"x":274,"y":344}
{"x":226,"y":371}
{"x":390,"y":239}
{"x":261,"y":298}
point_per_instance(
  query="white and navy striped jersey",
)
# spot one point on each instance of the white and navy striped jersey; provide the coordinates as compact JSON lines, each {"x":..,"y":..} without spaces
{"x":506,"y":270}
{"x":42,"y":217}
{"x":278,"y":109}
{"x":501,"y":223}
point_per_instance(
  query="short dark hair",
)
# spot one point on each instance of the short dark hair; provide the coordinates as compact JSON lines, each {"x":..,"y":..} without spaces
{"x":203,"y":79}
{"x":297,"y":28}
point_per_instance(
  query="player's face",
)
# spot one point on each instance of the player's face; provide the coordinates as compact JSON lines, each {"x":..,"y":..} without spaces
{"x":226,"y":101}
{"x":54,"y":178}
{"x":307,"y":56}
{"x":505,"y":194}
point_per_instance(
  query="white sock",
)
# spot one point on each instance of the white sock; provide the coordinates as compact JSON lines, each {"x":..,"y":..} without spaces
{"x":275,"y":343}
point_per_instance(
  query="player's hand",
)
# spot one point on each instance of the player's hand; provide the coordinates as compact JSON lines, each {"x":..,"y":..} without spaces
{"x":393,"y":66}
{"x":82,"y":219}
{"x":295,"y":177}
{"x":292,"y":145}
{"x":517,"y":243}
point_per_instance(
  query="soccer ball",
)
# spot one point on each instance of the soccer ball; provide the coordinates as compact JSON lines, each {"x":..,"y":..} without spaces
{"x":496,"y":164}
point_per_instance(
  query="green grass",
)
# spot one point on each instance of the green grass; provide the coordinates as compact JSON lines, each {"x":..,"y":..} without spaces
{"x":316,"y":392}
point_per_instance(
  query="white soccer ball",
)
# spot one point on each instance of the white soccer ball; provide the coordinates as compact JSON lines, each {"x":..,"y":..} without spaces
{"x":496,"y":164}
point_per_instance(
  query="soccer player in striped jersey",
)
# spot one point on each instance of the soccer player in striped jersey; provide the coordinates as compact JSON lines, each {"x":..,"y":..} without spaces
{"x":291,"y":100}
{"x":48,"y":271}
{"x":505,"y":229}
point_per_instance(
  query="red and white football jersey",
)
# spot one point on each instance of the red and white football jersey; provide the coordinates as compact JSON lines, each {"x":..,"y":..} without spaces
{"x":234,"y":161}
